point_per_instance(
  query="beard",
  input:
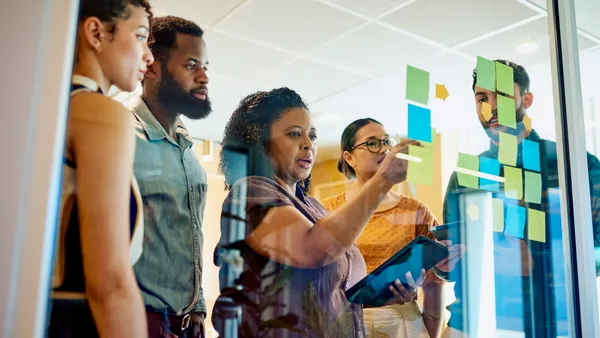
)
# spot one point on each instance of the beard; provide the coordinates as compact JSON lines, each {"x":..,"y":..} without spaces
{"x":172,"y":97}
{"x":493,"y":133}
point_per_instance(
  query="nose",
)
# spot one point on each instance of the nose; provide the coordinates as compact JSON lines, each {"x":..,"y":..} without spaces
{"x":148,"y":56}
{"x":201,"y":76}
{"x":307,"y":144}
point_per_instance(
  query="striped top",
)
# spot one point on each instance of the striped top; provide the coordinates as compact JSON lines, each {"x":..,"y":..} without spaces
{"x":68,"y":277}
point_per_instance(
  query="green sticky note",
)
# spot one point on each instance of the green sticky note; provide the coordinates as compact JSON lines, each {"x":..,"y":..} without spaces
{"x":498,"y":215}
{"x":507,"y":114}
{"x":536,"y":225}
{"x":468,"y":162}
{"x":533,"y":187}
{"x":417,"y":85}
{"x":508,"y":147}
{"x":420,"y":173}
{"x":505,"y":81}
{"x":513,"y":185}
{"x":486,"y":74}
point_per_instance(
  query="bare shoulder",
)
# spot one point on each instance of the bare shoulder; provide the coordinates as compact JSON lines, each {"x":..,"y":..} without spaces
{"x":97,"y":108}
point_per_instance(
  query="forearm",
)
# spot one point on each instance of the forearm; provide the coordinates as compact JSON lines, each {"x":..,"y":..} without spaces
{"x":119,"y":312}
{"x":334,"y":234}
{"x":433,"y":310}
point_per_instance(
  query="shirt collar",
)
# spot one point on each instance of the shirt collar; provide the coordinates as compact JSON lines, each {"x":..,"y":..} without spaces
{"x":154,"y":129}
{"x":86,"y":82}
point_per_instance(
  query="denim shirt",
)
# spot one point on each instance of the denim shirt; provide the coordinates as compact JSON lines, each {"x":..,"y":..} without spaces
{"x":173,"y":187}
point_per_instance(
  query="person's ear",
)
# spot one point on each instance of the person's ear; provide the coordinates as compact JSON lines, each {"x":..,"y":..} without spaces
{"x":94,"y":31}
{"x":527,"y":100}
{"x":350,"y":161}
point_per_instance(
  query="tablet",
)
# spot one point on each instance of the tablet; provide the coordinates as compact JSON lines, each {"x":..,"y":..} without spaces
{"x":420,"y":253}
{"x":450,"y":231}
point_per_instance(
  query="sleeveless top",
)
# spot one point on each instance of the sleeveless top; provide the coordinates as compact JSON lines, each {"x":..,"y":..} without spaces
{"x":68,"y":278}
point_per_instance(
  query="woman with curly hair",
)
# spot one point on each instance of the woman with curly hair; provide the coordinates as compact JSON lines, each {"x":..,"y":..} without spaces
{"x":285,"y":262}
{"x":100,"y":237}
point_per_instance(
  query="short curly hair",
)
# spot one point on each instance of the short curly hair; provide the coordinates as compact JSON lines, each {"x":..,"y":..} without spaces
{"x":249,"y":128}
{"x":111,"y":11}
{"x":164,"y":34}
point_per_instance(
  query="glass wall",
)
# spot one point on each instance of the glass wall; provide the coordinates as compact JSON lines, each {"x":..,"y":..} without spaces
{"x":474,"y":84}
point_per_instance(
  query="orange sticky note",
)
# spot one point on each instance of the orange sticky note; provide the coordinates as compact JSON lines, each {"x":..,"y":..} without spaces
{"x":527,"y":123}
{"x":486,"y":111}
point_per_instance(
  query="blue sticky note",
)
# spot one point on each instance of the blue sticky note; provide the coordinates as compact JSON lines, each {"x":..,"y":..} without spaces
{"x":489,"y":166}
{"x":419,"y":123}
{"x":516,"y":217}
{"x":531,"y":155}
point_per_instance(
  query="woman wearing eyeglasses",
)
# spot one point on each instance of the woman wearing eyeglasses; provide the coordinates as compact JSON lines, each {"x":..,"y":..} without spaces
{"x":397,"y":221}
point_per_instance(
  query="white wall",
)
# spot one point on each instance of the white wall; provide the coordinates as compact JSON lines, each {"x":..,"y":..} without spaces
{"x":38,"y":39}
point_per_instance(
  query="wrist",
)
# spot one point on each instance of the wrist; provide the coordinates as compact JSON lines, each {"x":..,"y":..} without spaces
{"x":382,"y":183}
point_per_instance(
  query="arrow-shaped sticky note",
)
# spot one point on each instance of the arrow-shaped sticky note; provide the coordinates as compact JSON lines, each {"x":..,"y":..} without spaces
{"x":527,"y":123}
{"x":441,"y":92}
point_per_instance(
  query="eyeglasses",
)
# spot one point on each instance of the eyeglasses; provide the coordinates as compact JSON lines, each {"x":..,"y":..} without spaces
{"x":374,"y":145}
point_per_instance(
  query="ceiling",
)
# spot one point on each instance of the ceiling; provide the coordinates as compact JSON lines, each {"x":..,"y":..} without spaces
{"x":347,"y":58}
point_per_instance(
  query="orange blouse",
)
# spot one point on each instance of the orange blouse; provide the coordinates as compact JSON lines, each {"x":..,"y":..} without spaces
{"x":390,"y":230}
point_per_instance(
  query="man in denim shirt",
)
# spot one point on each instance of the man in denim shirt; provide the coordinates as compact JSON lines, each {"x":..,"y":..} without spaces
{"x":172,"y":182}
{"x":529,"y":276}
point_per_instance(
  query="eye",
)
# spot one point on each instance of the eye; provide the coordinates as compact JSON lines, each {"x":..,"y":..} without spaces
{"x":372,"y":143}
{"x":482,"y":99}
{"x":313,"y":137}
{"x":294,"y":134}
{"x":142,"y":38}
{"x":190,"y":67}
{"x":389,"y":142}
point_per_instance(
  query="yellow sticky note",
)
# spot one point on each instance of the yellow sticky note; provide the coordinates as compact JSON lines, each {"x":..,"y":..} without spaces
{"x":486,"y":111}
{"x":513,"y":186}
{"x":441,"y":92}
{"x":536,"y":225}
{"x":507,"y":112}
{"x":498,"y":215}
{"x":508,"y":147}
{"x":473,"y":212}
{"x":533,"y":187}
{"x":527,"y":123}
{"x":432,"y":143}
{"x":420,"y":173}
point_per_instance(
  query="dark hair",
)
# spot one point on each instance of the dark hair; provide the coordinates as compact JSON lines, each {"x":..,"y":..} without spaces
{"x":521,"y":77}
{"x":347,"y":142}
{"x":249,"y":128}
{"x":111,"y":11}
{"x":164,"y":34}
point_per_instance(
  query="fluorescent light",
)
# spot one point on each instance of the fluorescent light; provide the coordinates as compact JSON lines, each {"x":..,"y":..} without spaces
{"x":527,"y":48}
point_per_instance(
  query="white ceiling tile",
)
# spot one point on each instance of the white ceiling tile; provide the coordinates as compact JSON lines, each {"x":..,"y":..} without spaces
{"x":203,"y":12}
{"x":312,"y":80}
{"x":241,"y":58}
{"x":586,"y":12}
{"x":503,"y":45}
{"x":371,"y":8}
{"x":374,"y":49}
{"x":296,"y":25}
{"x":456,"y":21}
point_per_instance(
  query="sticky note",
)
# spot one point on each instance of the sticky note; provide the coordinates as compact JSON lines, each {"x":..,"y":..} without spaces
{"x":527,"y":123}
{"x":419,"y":123}
{"x":486,"y":111}
{"x":486,"y":74}
{"x":507,"y":152}
{"x":536,"y":225}
{"x":505,"y":82}
{"x":468,"y":162}
{"x":515,"y":220}
{"x":432,"y":143}
{"x":513,"y":185}
{"x":489,"y":166}
{"x":420,"y":173}
{"x":533,"y":187}
{"x":498,"y":215}
{"x":417,"y":85}
{"x":531,"y":155}
{"x":441,"y":92}
{"x":473,"y":212}
{"x":507,"y":114}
